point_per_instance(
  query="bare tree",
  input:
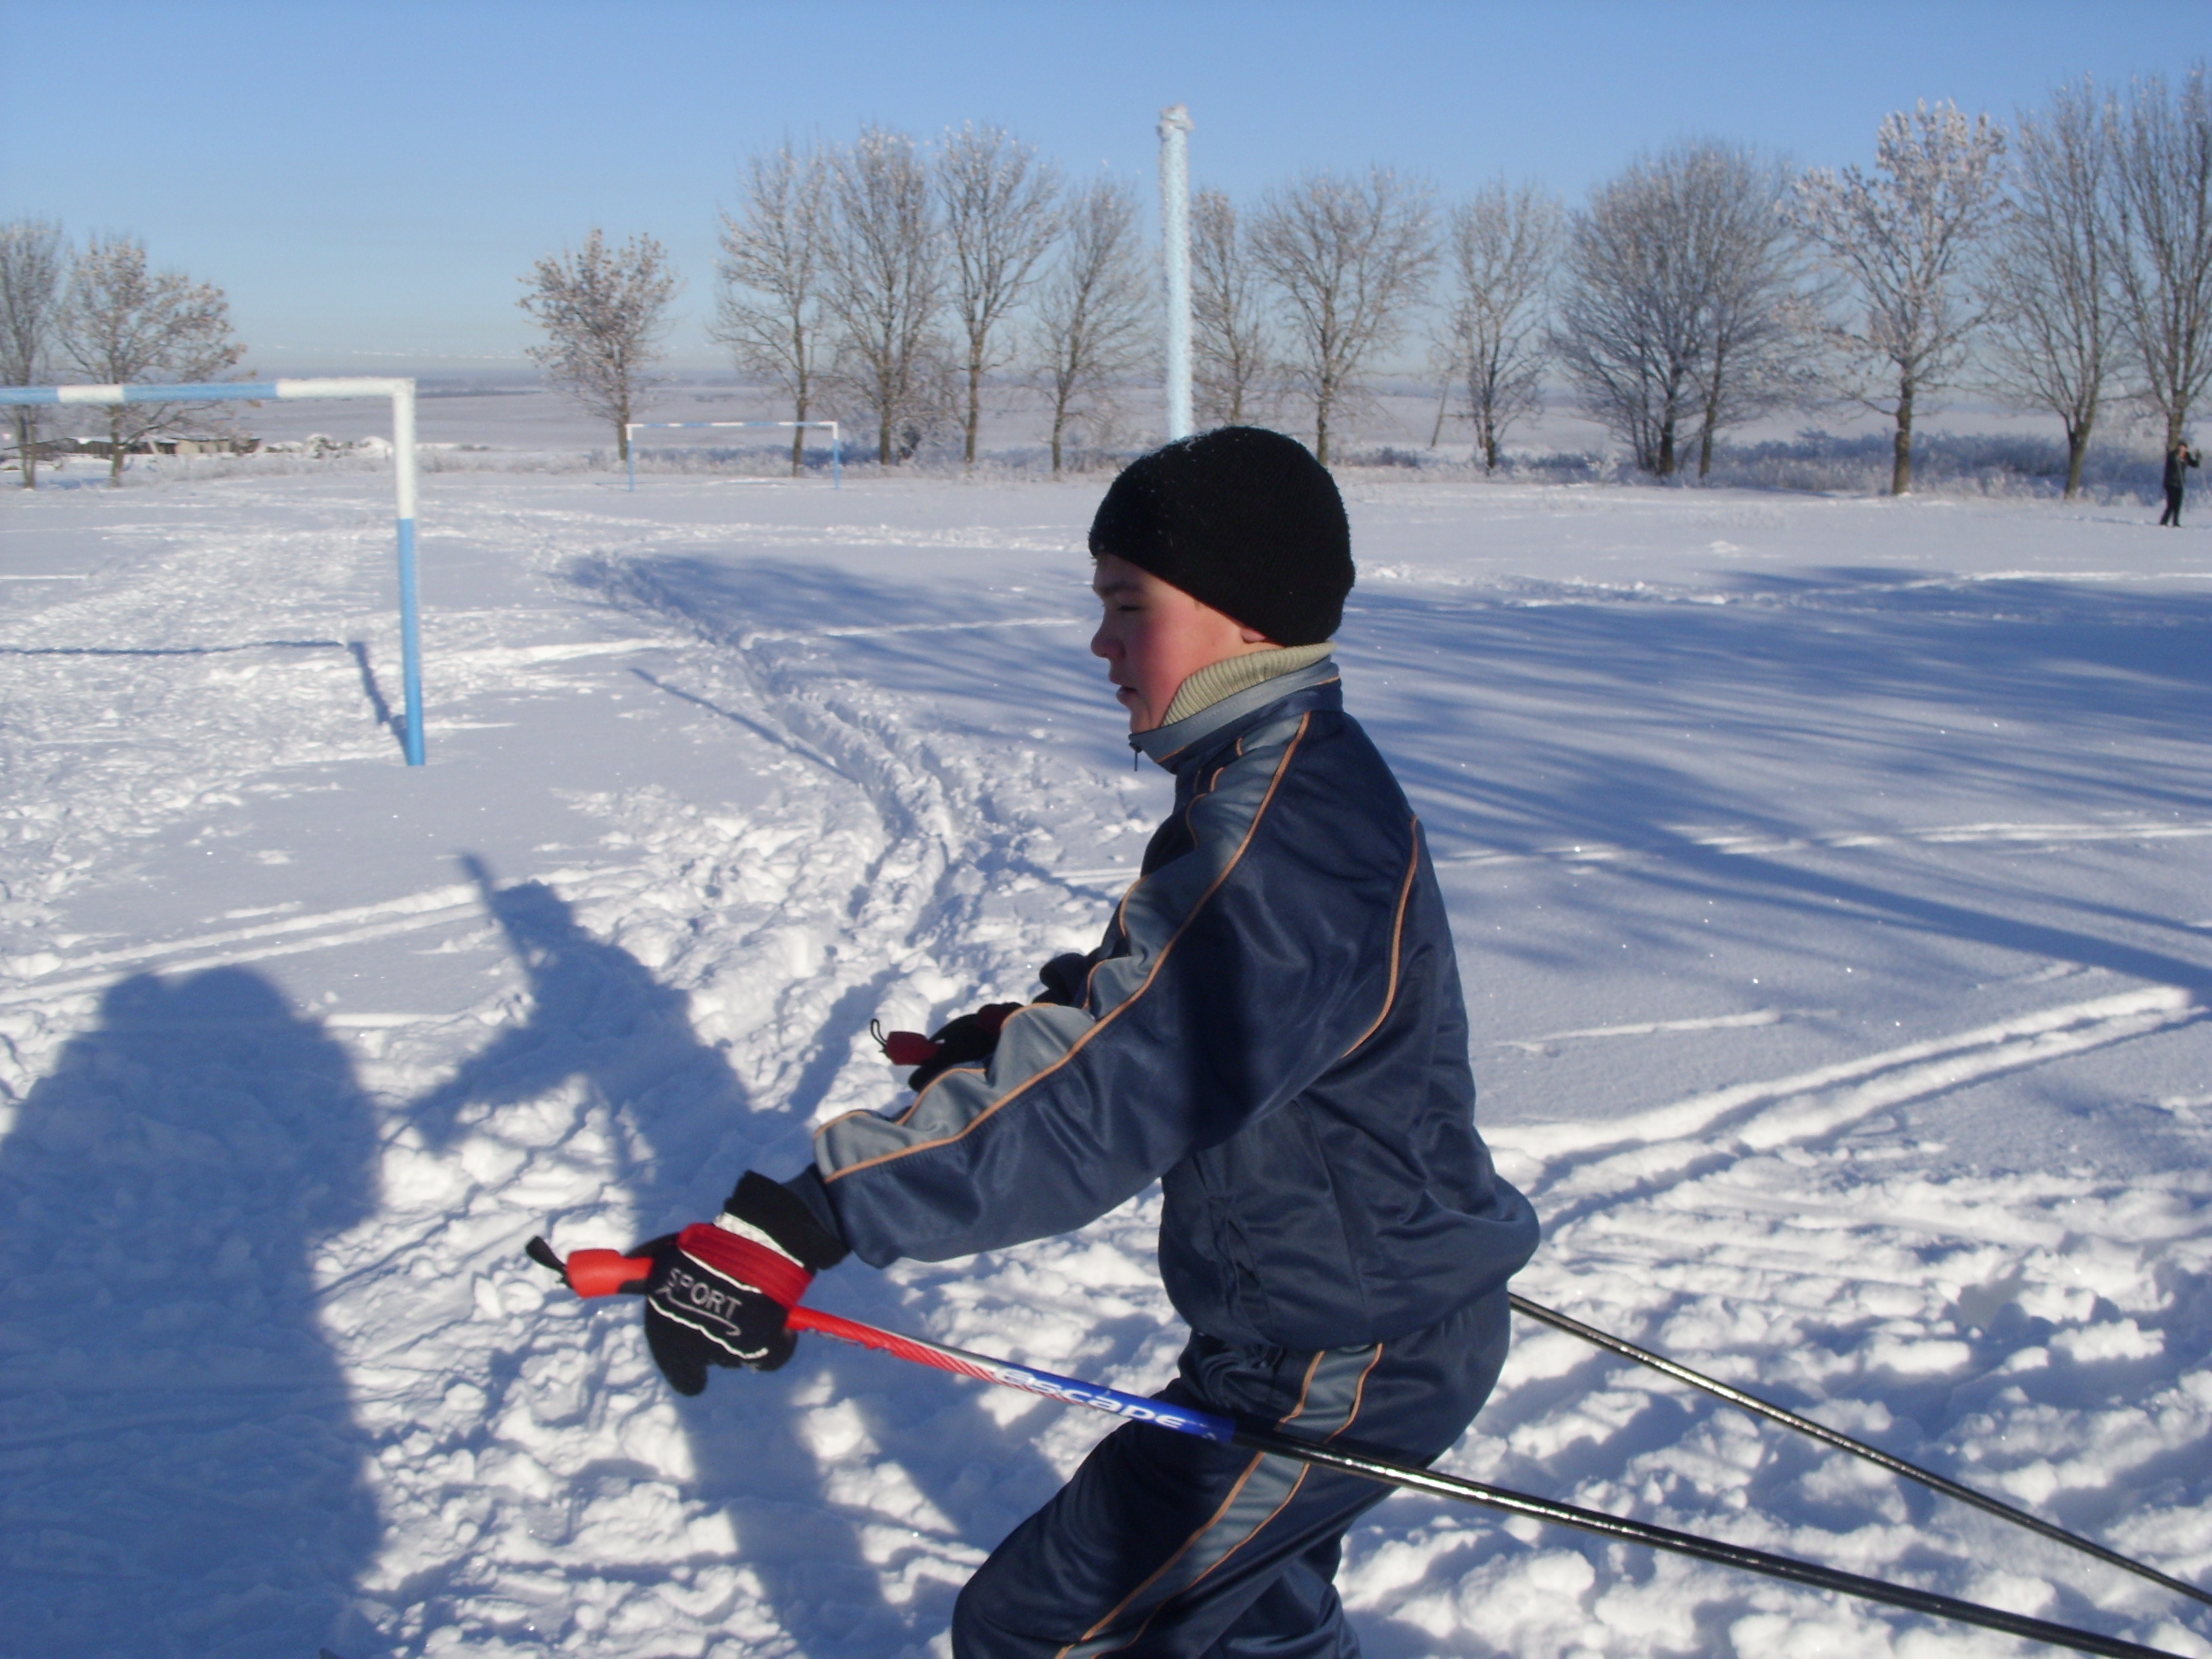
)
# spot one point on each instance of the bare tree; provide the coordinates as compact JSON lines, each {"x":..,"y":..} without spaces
{"x":1349,"y":258}
{"x":1091,"y":324}
{"x":605,"y":312}
{"x":2162,"y":165}
{"x":2048,"y":289}
{"x":1756,"y":326}
{"x":1000,"y":219}
{"x":33,"y":283}
{"x":1499,"y":251}
{"x":1634,"y":313}
{"x":768,"y":307}
{"x":1231,"y":348}
{"x":124,"y":325}
{"x":1680,"y":300}
{"x":1902,"y":242}
{"x":883,"y":260}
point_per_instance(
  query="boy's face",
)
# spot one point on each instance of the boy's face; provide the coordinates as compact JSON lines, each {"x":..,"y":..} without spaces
{"x":1154,"y":636}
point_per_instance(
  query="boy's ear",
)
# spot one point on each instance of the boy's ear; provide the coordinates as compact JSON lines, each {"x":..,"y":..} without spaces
{"x":1252,"y":635}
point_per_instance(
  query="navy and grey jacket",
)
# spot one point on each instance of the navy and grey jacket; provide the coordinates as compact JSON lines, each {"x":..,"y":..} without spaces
{"x":1272,"y":1028}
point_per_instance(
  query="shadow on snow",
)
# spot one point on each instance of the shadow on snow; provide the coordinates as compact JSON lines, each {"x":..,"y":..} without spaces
{"x":813,"y":1529}
{"x":181,"y":1454}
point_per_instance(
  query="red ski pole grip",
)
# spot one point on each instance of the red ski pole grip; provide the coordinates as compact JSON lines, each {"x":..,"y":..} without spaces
{"x":909,"y":1048}
{"x":603,"y":1273}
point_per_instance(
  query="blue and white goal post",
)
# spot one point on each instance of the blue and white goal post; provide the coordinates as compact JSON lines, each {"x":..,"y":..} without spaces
{"x":401,"y":393}
{"x":631,"y":429}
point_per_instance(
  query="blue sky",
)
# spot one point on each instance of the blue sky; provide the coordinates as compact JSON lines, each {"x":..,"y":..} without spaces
{"x":368,"y":181}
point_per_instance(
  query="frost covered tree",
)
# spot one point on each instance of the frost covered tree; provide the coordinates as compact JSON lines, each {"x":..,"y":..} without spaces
{"x":884,"y":261}
{"x":1756,"y":328}
{"x":1500,"y":249}
{"x":1902,"y":242}
{"x":2163,"y":167}
{"x":1680,"y":300}
{"x":1092,"y":317}
{"x":2049,"y":288}
{"x":768,"y":306}
{"x":1348,"y":259}
{"x":123,"y":323}
{"x":1002,"y":216}
{"x":1633,"y":311}
{"x":33,"y":282}
{"x":605,"y":312}
{"x":1231,"y":348}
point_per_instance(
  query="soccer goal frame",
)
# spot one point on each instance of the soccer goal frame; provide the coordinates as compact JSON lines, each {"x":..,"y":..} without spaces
{"x":630,"y":429}
{"x":401,"y":393}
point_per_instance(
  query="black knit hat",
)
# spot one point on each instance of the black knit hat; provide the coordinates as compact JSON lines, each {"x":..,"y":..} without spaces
{"x":1241,"y":519}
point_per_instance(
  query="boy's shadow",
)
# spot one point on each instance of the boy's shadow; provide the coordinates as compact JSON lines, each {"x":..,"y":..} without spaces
{"x":685,"y":1129}
{"x":182,"y":1468}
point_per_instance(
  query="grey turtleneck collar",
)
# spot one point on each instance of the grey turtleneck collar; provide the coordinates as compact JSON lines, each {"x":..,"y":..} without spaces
{"x":1163,"y":743}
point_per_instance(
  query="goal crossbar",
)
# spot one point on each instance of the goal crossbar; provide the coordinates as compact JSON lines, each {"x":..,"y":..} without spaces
{"x":401,"y":393}
{"x":836,"y":443}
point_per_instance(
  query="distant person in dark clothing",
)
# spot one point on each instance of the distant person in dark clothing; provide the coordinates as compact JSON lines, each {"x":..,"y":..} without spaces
{"x":2177,"y":458}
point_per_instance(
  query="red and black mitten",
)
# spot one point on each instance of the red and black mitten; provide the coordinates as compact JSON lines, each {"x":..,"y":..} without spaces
{"x":719,"y":1291}
{"x":956,"y":1042}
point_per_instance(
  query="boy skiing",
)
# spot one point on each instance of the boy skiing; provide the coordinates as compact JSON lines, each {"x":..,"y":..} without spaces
{"x":1272,"y":1028}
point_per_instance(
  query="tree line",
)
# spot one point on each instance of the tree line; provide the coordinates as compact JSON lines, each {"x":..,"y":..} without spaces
{"x":2061,"y":267}
{"x":891,"y":282}
{"x":2057,"y":268}
{"x":883,"y":281}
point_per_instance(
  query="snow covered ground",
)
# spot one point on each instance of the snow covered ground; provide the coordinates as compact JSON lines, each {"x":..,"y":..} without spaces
{"x":1833,"y":880}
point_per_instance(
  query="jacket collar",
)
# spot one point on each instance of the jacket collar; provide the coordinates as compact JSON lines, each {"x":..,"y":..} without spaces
{"x":1190,"y":738}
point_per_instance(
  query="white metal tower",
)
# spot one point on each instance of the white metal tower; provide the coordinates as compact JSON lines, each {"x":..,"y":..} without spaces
{"x":1175,"y":249}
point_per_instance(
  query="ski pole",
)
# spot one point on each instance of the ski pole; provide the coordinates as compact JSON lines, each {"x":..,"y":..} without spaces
{"x":602,"y":1272}
{"x":1829,"y":1437}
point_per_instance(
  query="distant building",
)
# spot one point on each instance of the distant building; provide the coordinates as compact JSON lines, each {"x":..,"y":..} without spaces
{"x":235,"y":445}
{"x":51,"y":449}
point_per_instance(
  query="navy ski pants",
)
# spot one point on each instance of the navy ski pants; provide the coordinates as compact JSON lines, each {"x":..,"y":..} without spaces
{"x":1166,"y":1546}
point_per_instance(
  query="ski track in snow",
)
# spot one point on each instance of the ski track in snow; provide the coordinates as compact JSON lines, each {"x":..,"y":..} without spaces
{"x":263,"y":1264}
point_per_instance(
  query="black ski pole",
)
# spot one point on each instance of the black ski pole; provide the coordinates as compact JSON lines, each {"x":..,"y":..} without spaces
{"x":1353,"y":1461}
{"x":602,"y":1272}
{"x":1828,"y":1436}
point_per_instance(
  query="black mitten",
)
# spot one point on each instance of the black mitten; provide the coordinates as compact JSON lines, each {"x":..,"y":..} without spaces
{"x":959,"y":1041}
{"x":719,"y":1292}
{"x":1067,"y":977}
